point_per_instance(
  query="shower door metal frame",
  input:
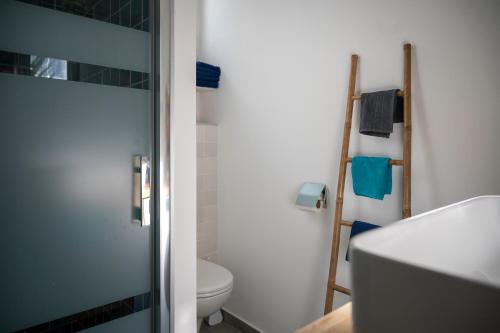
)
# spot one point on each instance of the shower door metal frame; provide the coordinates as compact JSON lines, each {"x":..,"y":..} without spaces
{"x":161,"y":319}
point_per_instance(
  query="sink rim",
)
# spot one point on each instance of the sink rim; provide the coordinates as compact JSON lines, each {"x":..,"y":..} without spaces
{"x":364,"y":243}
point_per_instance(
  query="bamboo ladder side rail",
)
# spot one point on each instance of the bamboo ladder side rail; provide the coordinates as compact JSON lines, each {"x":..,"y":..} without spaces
{"x":407,"y":132}
{"x":344,"y":159}
{"x":340,"y":185}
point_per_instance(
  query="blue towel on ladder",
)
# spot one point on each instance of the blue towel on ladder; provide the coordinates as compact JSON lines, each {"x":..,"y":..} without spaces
{"x":371,"y":176}
{"x":358,"y":227}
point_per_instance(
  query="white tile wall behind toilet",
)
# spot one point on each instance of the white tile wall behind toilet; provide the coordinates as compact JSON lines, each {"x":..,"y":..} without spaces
{"x":280,"y":112}
{"x":206,"y":147}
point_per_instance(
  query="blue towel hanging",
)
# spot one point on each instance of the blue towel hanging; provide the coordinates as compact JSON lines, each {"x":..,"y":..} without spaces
{"x":371,"y":176}
{"x":358,"y":227}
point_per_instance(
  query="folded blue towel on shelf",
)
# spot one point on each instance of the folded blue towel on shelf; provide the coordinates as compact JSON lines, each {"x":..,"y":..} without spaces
{"x":207,"y":75}
{"x":358,"y":227}
{"x":207,"y":84}
{"x":206,"y":79}
{"x":208,"y":67}
{"x":371,"y":176}
{"x":207,"y":72}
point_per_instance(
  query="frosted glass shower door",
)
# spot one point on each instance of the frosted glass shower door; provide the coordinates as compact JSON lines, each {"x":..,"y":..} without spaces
{"x":75,"y":108}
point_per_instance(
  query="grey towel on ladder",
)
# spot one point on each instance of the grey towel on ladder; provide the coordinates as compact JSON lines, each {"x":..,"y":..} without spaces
{"x":379,"y":110}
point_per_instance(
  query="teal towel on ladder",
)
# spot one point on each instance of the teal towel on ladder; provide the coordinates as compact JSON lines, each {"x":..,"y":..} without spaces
{"x":371,"y":176}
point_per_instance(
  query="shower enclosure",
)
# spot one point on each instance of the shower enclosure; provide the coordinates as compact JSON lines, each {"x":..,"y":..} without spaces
{"x":84,"y":170}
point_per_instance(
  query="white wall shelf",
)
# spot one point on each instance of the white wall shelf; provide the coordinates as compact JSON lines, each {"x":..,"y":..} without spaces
{"x":204,"y":89}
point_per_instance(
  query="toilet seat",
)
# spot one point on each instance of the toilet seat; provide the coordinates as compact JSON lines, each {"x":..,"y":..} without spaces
{"x":213,"y":279}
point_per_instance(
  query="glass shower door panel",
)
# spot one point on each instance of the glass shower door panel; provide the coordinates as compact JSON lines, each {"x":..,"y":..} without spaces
{"x":74,"y":111}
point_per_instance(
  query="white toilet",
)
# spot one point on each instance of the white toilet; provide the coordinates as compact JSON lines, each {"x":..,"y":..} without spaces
{"x":214,"y":286}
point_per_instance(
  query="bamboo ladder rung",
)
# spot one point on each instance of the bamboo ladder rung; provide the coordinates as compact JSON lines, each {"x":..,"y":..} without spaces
{"x":341,"y":289}
{"x":346,"y":223}
{"x":358,"y":97}
{"x":391,"y":162}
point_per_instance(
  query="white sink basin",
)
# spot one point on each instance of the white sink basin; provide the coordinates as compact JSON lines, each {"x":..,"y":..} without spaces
{"x":434,"y":272}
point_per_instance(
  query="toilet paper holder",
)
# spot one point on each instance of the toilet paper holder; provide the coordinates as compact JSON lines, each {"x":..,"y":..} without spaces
{"x":312,"y":196}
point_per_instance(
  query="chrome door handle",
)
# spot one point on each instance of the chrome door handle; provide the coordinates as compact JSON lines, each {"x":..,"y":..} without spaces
{"x":141,"y":190}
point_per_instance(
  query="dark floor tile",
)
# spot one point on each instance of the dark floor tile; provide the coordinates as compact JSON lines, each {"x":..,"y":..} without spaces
{"x":219,"y":328}
{"x":238,"y":323}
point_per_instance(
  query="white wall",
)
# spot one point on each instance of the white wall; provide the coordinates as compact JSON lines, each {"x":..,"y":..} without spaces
{"x":280,"y":110}
{"x":183,"y":167}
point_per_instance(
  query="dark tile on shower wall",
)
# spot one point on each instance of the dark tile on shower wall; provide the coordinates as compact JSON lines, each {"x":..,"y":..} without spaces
{"x":74,"y":71}
{"x":80,"y":321}
{"x":97,"y":72}
{"x":21,"y":64}
{"x":7,"y":62}
{"x":145,"y":81}
{"x":59,"y":5}
{"x":88,"y":72}
{"x":14,"y":63}
{"x":127,"y":13}
{"x":128,"y":305}
{"x":114,"y":7}
{"x":98,"y":316}
{"x":124,"y":78}
{"x":8,"y":58}
{"x":63,"y":325}
{"x":145,"y":9}
{"x":145,"y":25}
{"x":101,"y":10}
{"x":136,"y":80}
{"x":119,"y":310}
{"x":89,"y":318}
{"x":136,"y":13}
{"x":138,"y":26}
{"x":115,"y":18}
{"x":95,"y":78}
{"x":147,"y":300}
{"x":79,"y":326}
{"x":84,"y":72}
{"x":48,"y":3}
{"x":81,"y":7}
{"x":38,"y":328}
{"x":114,"y":75}
{"x":32,"y":2}
{"x":106,"y":76}
{"x":138,"y":303}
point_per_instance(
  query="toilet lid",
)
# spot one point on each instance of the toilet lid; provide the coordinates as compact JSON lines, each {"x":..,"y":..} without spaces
{"x":212,"y":279}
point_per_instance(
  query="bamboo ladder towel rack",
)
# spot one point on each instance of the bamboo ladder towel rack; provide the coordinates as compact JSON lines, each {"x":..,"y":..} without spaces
{"x":344,"y":159}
